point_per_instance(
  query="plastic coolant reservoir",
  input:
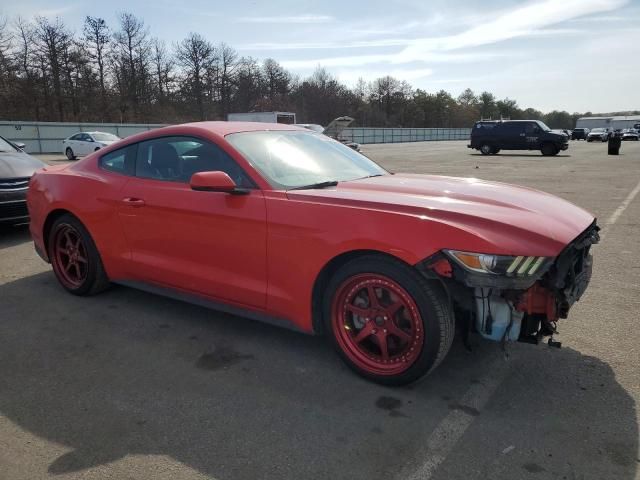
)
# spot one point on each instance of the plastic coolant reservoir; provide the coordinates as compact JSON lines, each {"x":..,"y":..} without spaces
{"x":503,"y":317}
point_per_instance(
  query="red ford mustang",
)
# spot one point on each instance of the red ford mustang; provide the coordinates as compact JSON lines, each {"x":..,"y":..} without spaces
{"x":285,"y":225}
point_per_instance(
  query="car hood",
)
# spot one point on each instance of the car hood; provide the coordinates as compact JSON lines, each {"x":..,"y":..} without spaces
{"x":18,"y":165}
{"x":511,"y":219}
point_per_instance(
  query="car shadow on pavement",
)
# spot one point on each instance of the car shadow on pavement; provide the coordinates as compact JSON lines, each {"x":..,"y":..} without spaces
{"x":528,"y":155}
{"x":127,"y":372}
{"x":11,"y":235}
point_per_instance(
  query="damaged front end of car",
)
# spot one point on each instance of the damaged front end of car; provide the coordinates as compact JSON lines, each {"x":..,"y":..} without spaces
{"x":514,"y":298}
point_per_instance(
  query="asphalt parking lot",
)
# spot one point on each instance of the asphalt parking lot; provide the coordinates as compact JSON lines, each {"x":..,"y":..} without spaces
{"x":127,"y":384}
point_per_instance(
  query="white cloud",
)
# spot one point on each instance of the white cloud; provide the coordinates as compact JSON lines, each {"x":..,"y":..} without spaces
{"x":359,"y":60}
{"x":288,"y":19}
{"x":519,"y":22}
{"x":55,"y":12}
{"x":383,"y":42}
{"x":351,"y":77}
{"x":531,"y":19}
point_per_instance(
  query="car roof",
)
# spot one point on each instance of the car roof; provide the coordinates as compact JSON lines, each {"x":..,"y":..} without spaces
{"x":226,"y":128}
{"x":93,"y":131}
{"x":214,"y":129}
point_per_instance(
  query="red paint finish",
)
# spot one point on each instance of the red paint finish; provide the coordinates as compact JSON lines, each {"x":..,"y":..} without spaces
{"x":212,"y":181}
{"x":442,"y":267}
{"x":539,"y":300}
{"x":265,"y":250}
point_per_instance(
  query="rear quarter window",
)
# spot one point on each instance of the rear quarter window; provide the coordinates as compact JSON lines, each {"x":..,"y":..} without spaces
{"x":119,"y":161}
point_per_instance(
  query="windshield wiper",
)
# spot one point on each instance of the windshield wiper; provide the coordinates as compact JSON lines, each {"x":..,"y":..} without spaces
{"x":328,"y":183}
{"x":371,"y":176}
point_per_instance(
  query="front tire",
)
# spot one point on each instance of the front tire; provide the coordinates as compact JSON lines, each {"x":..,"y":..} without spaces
{"x":75,"y":258}
{"x":69,"y":153}
{"x":549,"y":149}
{"x":386,"y":321}
{"x":486,"y":149}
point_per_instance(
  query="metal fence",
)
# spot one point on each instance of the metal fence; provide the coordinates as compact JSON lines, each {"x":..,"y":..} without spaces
{"x":395,"y":135}
{"x":46,"y":137}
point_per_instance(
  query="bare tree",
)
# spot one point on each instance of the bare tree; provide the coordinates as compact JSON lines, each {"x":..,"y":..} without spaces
{"x":250,"y":85}
{"x":131,"y":46}
{"x":163,"y":67}
{"x":277,"y":82}
{"x":196,"y":56}
{"x":227,"y":60}
{"x":96,"y":36}
{"x":52,"y":40}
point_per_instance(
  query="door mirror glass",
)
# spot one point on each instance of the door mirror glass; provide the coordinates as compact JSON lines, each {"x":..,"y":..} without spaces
{"x":214,"y":182}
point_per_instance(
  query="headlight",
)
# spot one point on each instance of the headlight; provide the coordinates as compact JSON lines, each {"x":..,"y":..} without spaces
{"x":510,"y":266}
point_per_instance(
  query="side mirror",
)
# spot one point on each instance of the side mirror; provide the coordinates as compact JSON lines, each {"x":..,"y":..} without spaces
{"x":215,"y":182}
{"x":20,"y":145}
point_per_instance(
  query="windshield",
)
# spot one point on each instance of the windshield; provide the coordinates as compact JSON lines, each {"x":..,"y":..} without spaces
{"x":104,"y":137}
{"x":6,"y":146}
{"x":543,"y":126}
{"x":312,"y":126}
{"x":290,"y":159}
{"x":597,"y":130}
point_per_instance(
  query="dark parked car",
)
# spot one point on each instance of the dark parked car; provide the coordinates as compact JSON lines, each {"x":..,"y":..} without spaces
{"x":16,"y":168}
{"x":489,"y":137}
{"x":579,"y":133}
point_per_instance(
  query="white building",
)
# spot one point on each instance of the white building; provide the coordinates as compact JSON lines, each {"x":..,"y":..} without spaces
{"x":614,"y":123}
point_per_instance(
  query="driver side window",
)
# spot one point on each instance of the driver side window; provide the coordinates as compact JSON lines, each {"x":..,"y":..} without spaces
{"x":532,"y":129}
{"x":176,"y":159}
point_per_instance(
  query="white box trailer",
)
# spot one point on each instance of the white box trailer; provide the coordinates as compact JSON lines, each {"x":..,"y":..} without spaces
{"x":263,"y":117}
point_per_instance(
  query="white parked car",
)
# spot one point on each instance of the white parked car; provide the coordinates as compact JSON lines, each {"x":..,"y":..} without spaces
{"x":598,"y":134}
{"x":630,"y":134}
{"x":84,"y":143}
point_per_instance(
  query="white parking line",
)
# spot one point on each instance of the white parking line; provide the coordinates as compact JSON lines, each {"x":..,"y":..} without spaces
{"x":620,"y":210}
{"x":447,"y":434}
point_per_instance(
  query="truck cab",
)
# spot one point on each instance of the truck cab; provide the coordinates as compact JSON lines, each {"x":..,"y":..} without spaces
{"x":489,"y":137}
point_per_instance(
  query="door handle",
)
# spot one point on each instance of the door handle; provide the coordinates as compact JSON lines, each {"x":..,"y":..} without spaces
{"x":133,"y":202}
{"x":522,"y":134}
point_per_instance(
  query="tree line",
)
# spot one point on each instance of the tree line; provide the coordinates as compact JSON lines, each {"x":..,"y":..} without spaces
{"x":121,"y":73}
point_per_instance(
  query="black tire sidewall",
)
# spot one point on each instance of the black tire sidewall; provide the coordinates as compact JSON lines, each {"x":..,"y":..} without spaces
{"x":69,"y":153}
{"x":411,"y":281}
{"x":93,"y":258}
{"x":549,"y":149}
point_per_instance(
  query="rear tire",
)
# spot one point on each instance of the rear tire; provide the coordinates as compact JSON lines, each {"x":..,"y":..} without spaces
{"x":549,"y":149}
{"x":374,"y":301}
{"x":486,"y":149}
{"x":69,"y":153}
{"x":75,"y":258}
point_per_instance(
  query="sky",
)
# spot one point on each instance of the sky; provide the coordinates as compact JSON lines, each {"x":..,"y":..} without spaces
{"x":574,"y":55}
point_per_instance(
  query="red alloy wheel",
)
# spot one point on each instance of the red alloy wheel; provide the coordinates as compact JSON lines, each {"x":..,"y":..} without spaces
{"x":70,"y":259}
{"x":377,"y":324}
